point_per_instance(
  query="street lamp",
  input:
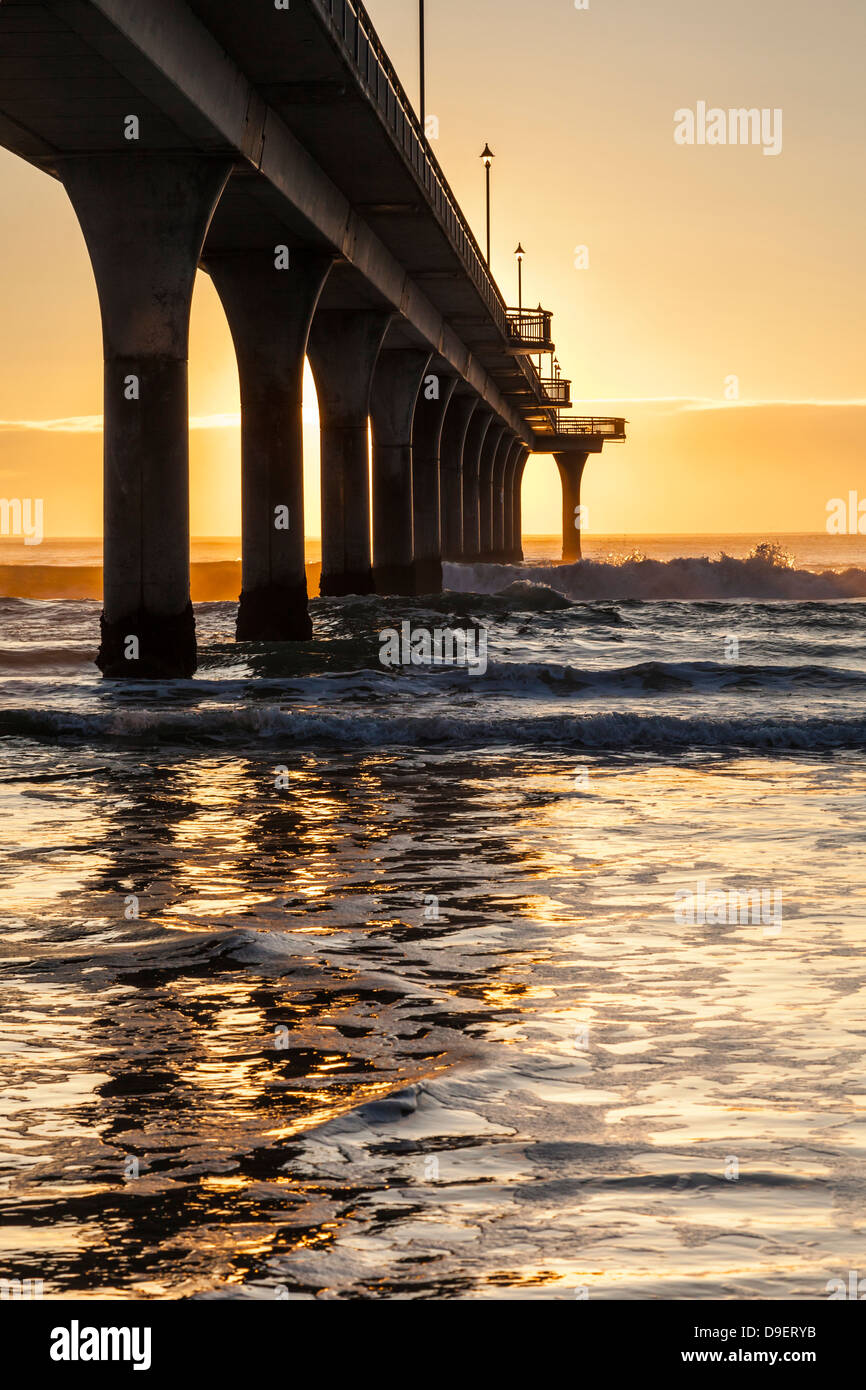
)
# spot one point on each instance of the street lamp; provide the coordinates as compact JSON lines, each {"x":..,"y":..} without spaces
{"x":520,"y":253}
{"x":423,"y":76}
{"x":488,"y":156}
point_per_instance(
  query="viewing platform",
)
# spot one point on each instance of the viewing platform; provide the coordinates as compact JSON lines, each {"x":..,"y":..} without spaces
{"x":582,"y":434}
{"x":529,"y":330}
{"x":557,"y":391}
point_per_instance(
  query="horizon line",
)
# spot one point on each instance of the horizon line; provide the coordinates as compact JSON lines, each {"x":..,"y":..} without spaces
{"x":94,"y":424}
{"x":527,"y":536}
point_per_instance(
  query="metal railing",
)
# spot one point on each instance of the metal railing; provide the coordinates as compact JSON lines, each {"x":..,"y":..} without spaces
{"x":557,"y":389}
{"x":354,"y":30}
{"x":591,"y":424}
{"x":530,"y":328}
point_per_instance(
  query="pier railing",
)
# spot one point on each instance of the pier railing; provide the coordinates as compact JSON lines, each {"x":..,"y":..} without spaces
{"x":557,"y":390}
{"x":613,"y":429}
{"x":361,"y":44}
{"x":529,"y":330}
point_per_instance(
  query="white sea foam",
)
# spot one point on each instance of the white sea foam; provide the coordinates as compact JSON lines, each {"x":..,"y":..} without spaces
{"x":638,"y":578}
{"x":274,"y":725}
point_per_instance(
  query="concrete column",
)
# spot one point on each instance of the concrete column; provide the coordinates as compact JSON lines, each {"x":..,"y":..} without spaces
{"x":397,"y":382}
{"x":495,"y":436}
{"x":454,"y":431}
{"x":269,"y":310}
{"x":517,"y":508}
{"x":508,"y":544}
{"x":430,"y":414}
{"x":476,"y":436}
{"x":343,"y":349}
{"x":144,"y":218}
{"x":571,"y":468}
{"x":503,"y":455}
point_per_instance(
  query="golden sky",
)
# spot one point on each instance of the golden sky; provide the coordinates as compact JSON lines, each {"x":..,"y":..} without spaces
{"x":705,"y":263}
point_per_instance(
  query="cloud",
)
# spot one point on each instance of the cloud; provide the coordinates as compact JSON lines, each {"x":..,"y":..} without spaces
{"x":689,"y":403}
{"x":72,"y":424}
{"x":708,"y":404}
{"x":92,"y":424}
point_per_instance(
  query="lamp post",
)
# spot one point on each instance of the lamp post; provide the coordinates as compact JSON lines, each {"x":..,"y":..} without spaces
{"x":520,"y":253}
{"x":423,"y":65}
{"x":488,"y":156}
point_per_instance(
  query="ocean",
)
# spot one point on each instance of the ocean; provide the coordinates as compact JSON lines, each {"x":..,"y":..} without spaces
{"x":327,"y":979}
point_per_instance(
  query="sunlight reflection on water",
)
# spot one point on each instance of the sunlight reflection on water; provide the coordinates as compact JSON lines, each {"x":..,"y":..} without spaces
{"x":324,"y":1090}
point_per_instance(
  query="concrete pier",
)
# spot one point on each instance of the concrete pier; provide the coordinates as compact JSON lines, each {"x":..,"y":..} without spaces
{"x":269,"y":299}
{"x":430,"y":412}
{"x":144,"y":217}
{"x":277,"y":152}
{"x":397,"y":383}
{"x":457,"y":418}
{"x":343,"y":349}
{"x":571,"y":466}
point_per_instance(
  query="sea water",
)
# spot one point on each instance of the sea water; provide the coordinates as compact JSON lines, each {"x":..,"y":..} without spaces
{"x":327,"y":979}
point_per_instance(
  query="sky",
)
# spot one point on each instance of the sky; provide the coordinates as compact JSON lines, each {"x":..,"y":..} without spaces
{"x":721,"y":310}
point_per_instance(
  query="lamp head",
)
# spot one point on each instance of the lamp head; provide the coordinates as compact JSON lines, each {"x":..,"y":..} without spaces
{"x":488,"y":156}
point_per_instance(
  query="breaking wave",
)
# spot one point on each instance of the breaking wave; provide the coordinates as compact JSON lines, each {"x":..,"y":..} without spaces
{"x":57,"y":658}
{"x":766,"y":574}
{"x":659,"y":677}
{"x":275,"y":725}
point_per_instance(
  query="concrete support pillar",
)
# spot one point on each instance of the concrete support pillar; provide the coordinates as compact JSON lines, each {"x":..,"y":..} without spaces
{"x":454,"y":432}
{"x":269,"y":311}
{"x":144,"y":218}
{"x":476,"y":436}
{"x":508,"y":543}
{"x":343,"y":349}
{"x":517,"y":508}
{"x":571,"y":468}
{"x":489,"y":454}
{"x":503,"y":455}
{"x":397,"y":382}
{"x":430,"y":414}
